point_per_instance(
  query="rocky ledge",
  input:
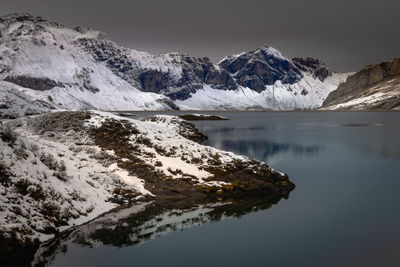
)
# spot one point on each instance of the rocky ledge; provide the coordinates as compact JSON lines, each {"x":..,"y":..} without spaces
{"x":63,"y":169}
{"x":202,"y":117}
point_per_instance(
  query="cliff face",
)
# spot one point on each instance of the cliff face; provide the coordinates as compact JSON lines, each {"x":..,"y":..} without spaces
{"x":265,"y":66}
{"x":374,"y":87}
{"x":174,"y":75}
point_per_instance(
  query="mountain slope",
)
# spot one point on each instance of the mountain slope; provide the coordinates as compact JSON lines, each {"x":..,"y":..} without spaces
{"x":374,"y":87}
{"x":308,"y":93}
{"x":42,"y":67}
{"x":45,"y":65}
{"x":268,"y":80}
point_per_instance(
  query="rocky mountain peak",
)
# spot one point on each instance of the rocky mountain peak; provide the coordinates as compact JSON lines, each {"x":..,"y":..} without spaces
{"x":21,"y":17}
{"x":24,"y":18}
{"x":271,"y":51}
{"x":259,"y":68}
{"x":23,"y":24}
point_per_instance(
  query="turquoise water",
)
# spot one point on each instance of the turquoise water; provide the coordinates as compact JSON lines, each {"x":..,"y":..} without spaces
{"x":343,"y":212}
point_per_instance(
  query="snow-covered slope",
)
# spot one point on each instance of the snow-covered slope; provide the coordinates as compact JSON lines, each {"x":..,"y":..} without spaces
{"x":42,"y":63}
{"x":45,"y":65}
{"x":268,"y":80}
{"x":308,"y":93}
{"x":62,"y":169}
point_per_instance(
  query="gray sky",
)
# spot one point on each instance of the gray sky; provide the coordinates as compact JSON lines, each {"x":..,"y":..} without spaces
{"x":345,"y":34}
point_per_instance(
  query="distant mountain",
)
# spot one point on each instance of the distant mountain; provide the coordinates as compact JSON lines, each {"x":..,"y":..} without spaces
{"x":45,"y":65}
{"x":374,"y":87}
{"x":265,"y":79}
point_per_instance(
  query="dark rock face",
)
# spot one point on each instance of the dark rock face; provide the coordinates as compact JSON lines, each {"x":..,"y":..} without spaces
{"x":259,"y":68}
{"x":208,"y":74}
{"x":358,"y":84}
{"x":195,"y":71}
{"x":40,"y":84}
{"x":168,"y":103}
{"x":153,"y":81}
{"x":314,"y":66}
{"x":84,"y":78}
{"x":202,"y":117}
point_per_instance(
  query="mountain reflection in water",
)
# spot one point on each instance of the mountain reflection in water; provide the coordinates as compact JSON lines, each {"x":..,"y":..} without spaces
{"x":265,"y":150}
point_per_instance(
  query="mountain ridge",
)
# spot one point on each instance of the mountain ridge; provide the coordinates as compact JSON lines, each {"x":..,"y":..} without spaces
{"x":374,"y":87}
{"x":45,"y":65}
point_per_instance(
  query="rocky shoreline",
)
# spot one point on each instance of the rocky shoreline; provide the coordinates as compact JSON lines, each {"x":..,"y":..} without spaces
{"x":62,"y":169}
{"x":202,"y":117}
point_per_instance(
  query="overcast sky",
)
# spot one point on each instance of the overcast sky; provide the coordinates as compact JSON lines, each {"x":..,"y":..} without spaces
{"x":345,"y":34}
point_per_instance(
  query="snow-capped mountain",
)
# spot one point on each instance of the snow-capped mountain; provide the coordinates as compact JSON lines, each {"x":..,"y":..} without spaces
{"x":45,"y":65}
{"x":267,"y":80}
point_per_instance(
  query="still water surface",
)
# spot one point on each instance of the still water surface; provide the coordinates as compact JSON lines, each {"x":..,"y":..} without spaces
{"x":345,"y":210}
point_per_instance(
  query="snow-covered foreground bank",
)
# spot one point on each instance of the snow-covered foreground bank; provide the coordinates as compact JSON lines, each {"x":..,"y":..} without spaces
{"x":65,"y":168}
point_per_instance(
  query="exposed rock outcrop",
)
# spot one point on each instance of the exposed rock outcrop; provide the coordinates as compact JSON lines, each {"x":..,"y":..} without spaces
{"x":374,"y":87}
{"x":202,"y":117}
{"x":264,"y":66}
{"x":314,"y":66}
{"x":192,"y":72}
{"x":40,"y":84}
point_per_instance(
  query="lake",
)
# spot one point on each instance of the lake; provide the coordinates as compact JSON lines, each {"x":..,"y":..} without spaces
{"x":343,"y":212}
